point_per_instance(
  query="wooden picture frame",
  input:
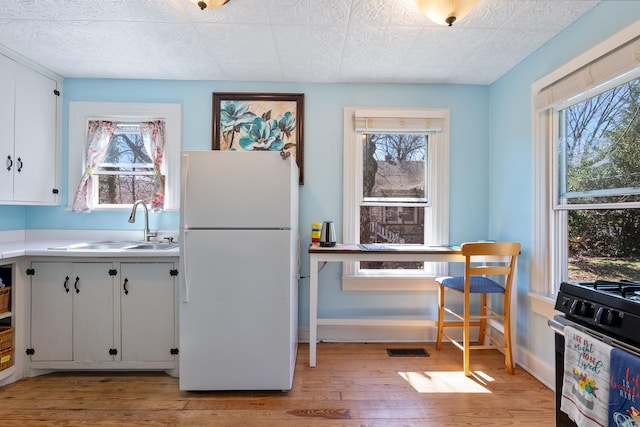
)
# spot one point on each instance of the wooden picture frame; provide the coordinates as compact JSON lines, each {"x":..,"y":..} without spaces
{"x":260,"y":121}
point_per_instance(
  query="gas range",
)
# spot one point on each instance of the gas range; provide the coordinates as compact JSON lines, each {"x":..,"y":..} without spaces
{"x":608,"y":311}
{"x":608,"y":307}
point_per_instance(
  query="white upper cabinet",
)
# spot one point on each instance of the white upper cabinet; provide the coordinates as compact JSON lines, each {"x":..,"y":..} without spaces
{"x":29,"y":161}
{"x":7,"y":89}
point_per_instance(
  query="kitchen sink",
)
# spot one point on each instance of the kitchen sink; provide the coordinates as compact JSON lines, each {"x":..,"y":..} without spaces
{"x":153,"y":246}
{"x":116,"y":246}
{"x":96,"y":246}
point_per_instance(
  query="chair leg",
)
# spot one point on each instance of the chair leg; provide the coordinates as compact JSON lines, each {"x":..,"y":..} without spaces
{"x":465,"y":336}
{"x":483,"y":322}
{"x":440,"y":316}
{"x":508,"y":355}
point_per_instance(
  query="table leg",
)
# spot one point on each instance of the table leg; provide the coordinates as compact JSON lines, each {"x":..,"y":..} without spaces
{"x":313,"y":310}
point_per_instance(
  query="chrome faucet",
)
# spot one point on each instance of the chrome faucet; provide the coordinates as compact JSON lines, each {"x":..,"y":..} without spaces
{"x":148,"y":234}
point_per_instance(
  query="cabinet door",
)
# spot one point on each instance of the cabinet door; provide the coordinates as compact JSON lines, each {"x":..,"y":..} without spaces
{"x":93,"y":312}
{"x":35,"y":138}
{"x":7,"y":89}
{"x":51,"y":311}
{"x":147,"y":296}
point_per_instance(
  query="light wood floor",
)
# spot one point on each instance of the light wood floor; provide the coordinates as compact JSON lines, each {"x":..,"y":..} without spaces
{"x":353,"y":385}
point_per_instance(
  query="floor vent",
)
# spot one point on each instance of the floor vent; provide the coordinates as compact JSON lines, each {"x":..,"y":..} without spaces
{"x":407,"y":352}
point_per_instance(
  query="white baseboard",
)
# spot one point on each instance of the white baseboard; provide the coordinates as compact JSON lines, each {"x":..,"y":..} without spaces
{"x":363,"y":333}
{"x":542,"y":371}
{"x":370,"y":334}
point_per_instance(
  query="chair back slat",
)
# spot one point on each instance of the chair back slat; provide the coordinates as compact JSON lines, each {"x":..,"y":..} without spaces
{"x":490,"y":248}
{"x":475,"y":251}
{"x":490,"y":269}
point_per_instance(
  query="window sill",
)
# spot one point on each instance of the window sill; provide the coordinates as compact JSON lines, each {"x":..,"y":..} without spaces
{"x":542,"y":305}
{"x":389,"y":283}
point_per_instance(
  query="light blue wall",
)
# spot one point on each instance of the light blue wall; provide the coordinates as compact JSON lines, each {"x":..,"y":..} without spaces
{"x":13,"y":217}
{"x":510,"y":208}
{"x":321,"y":195}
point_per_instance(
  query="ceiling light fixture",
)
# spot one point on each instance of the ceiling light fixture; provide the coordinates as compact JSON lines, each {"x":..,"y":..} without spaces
{"x":211,"y":4}
{"x":446,"y":12}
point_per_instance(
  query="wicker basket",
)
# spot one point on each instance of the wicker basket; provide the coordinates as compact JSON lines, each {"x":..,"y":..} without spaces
{"x":6,"y":337}
{"x":6,"y":358}
{"x":5,"y":299}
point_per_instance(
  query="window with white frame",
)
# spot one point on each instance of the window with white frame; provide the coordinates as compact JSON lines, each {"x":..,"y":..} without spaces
{"x":123,"y":152}
{"x":396,"y":191}
{"x":587,"y":168}
{"x":127,"y":171}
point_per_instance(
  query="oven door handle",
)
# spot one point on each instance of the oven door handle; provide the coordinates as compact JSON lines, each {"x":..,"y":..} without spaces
{"x":556,"y":326}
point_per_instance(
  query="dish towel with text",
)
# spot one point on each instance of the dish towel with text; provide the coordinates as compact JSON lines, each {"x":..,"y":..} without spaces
{"x":624,"y":395}
{"x":585,"y":386}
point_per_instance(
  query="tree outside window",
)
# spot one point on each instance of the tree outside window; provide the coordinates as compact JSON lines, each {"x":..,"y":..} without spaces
{"x":598,"y":179}
{"x":126,"y":173}
{"x":129,"y":170}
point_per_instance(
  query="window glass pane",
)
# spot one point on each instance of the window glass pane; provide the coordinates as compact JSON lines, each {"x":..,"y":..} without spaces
{"x":394,"y":167}
{"x":391,"y":224}
{"x":603,"y":244}
{"x":127,"y":149}
{"x":599,"y":148}
{"x":126,"y":173}
{"x":394,"y":171}
{"x":125,"y":189}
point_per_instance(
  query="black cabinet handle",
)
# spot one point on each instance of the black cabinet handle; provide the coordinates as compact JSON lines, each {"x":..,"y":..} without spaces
{"x":124,"y":286}
{"x":66,"y":282}
{"x":9,"y":163}
{"x":75,"y":285}
{"x":19,"y":164}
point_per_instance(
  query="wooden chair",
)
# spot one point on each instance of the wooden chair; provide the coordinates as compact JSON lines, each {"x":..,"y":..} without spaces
{"x":481,"y":277}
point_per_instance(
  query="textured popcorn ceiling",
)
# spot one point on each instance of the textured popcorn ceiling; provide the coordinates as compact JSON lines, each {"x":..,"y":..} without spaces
{"x":280,"y":40}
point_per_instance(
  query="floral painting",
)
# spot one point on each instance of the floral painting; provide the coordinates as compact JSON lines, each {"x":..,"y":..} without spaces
{"x":259,"y":122}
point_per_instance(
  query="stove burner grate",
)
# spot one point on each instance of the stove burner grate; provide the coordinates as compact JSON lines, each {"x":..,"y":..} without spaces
{"x":625,"y":288}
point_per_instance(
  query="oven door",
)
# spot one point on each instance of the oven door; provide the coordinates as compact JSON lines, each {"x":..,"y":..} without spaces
{"x":557,"y":324}
{"x":562,"y":419}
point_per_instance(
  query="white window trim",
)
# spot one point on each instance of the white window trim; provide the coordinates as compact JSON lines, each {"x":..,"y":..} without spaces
{"x":439,"y":196}
{"x":81,"y":112}
{"x":545,"y":254}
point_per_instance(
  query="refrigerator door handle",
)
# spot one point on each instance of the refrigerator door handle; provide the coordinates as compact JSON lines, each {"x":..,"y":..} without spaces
{"x":185,"y":185}
{"x":184,"y":291}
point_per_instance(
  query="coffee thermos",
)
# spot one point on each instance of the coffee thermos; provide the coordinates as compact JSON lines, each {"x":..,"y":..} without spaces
{"x":328,"y":234}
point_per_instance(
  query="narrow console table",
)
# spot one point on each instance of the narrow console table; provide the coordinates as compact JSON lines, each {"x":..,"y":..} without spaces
{"x":345,"y":252}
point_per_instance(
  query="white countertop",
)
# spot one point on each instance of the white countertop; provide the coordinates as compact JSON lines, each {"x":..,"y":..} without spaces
{"x":38,"y":243}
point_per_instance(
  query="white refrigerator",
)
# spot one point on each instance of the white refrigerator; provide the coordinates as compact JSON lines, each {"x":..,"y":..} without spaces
{"x":239,"y":270}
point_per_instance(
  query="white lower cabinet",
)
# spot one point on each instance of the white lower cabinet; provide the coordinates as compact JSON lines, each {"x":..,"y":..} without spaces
{"x":103,"y":315}
{"x":72,"y":311}
{"x":51,"y":312}
{"x":147,"y":304}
